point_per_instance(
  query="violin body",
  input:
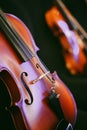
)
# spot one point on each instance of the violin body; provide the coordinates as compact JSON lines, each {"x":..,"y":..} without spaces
{"x":28,"y":95}
{"x":72,"y":44}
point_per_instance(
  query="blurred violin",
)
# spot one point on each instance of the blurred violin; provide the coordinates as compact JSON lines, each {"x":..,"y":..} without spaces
{"x":72,"y":36}
{"x":35,"y":98}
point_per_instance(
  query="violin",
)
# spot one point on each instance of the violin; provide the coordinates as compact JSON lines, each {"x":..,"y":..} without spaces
{"x":71,"y":35}
{"x":37,"y":99}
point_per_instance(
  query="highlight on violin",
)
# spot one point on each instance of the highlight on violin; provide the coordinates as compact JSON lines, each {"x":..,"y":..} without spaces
{"x":71,"y":34}
{"x":32,"y":96}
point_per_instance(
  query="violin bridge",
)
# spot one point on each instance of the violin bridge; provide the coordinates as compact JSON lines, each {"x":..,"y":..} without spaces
{"x":39,"y":78}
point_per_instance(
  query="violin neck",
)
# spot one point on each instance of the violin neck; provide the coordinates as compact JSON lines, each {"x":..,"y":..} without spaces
{"x":14,"y":38}
{"x":73,"y":23}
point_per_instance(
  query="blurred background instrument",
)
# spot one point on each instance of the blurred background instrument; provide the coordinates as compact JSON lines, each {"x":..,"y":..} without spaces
{"x":71,"y":34}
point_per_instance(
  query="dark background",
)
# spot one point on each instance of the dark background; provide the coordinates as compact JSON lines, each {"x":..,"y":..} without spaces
{"x":32,"y":12}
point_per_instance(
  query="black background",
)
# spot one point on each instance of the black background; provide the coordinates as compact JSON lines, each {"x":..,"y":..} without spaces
{"x":32,"y":13}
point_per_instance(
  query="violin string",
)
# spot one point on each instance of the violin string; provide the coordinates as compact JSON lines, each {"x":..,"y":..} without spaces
{"x":19,"y":43}
{"x":40,"y":65}
{"x":11,"y":33}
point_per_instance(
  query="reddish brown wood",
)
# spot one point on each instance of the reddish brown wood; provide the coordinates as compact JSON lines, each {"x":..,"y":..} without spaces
{"x":38,"y":115}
